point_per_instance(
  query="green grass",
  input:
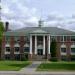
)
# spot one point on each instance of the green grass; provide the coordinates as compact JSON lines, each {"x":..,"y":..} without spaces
{"x":57,"y":66}
{"x":13,"y":65}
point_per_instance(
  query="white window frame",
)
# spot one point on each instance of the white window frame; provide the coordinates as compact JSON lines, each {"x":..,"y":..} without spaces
{"x":72,"y":46}
{"x":63,"y":46}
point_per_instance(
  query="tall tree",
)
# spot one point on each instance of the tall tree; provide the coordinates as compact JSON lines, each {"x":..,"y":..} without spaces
{"x":1,"y":30}
{"x":1,"y":34}
{"x":53,"y":48}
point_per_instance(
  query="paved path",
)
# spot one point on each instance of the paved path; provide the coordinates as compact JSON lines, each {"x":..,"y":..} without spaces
{"x":31,"y":70}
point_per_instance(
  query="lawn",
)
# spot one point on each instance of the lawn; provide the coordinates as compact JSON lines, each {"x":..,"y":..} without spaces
{"x":13,"y":65}
{"x":57,"y":66}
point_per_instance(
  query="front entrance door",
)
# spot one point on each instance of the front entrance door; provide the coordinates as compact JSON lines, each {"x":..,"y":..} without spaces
{"x":40,"y":52}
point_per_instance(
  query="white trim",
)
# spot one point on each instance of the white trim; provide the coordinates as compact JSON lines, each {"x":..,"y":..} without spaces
{"x":35,"y":44}
{"x":43,"y":45}
{"x":7,"y":52}
{"x":63,"y":53}
{"x":62,"y":35}
{"x":63,"y":46}
{"x":26,"y":45}
{"x":38,"y":31}
{"x":48,"y":44}
{"x":39,"y":34}
{"x":16,"y":52}
{"x":16,"y":45}
{"x":72,"y":53}
{"x":7,"y":45}
{"x":73,"y":46}
{"x":30,"y":44}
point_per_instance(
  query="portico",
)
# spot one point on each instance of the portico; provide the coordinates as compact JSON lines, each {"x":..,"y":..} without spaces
{"x":41,"y":46}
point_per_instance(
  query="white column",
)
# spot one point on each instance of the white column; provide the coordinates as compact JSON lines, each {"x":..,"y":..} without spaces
{"x":30,"y":44}
{"x":48,"y":44}
{"x":44,"y":45}
{"x":35,"y":44}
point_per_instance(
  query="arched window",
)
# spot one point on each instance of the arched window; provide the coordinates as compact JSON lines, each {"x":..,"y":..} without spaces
{"x":63,"y":52}
{"x":16,"y":46}
{"x":63,"y":48}
{"x":7,"y":46}
{"x":72,"y":48}
{"x":26,"y":47}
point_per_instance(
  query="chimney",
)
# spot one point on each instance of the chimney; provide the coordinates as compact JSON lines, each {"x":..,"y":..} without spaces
{"x":6,"y":26}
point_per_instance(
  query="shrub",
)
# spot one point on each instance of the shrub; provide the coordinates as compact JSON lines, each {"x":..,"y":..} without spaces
{"x":54,"y":59}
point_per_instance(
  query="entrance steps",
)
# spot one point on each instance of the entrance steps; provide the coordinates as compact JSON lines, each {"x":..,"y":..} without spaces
{"x":39,"y":58}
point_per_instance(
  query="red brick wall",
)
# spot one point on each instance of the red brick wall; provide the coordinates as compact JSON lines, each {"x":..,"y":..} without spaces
{"x":3,"y":48}
{"x":68,"y":44}
{"x":22,"y":42}
{"x":21,"y":47}
{"x":12,"y":47}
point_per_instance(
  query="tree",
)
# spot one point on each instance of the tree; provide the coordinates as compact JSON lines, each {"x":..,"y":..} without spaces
{"x":53,"y":50}
{"x":1,"y":35}
{"x":1,"y":31}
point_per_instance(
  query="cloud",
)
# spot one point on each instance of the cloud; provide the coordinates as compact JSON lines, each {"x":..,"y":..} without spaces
{"x":19,"y":15}
{"x":58,"y":20}
{"x":55,"y":16}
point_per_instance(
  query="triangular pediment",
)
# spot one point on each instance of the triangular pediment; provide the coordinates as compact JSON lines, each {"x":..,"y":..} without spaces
{"x":39,"y":31}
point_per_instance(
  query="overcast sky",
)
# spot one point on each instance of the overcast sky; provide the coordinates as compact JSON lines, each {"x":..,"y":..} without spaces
{"x":22,"y":13}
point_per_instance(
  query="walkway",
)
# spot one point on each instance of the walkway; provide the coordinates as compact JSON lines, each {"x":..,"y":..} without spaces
{"x":31,"y":70}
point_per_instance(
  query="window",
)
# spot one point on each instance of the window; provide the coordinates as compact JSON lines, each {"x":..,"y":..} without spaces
{"x":63,"y":38}
{"x":8,"y":49}
{"x":64,"y":58}
{"x":72,"y":57}
{"x":40,"y":51}
{"x":73,"y":50}
{"x":72,"y":38}
{"x":26,"y":49}
{"x":26,"y":39}
{"x":7,"y":56}
{"x":17,"y":39}
{"x":7,"y":39}
{"x":17,"y":56}
{"x":40,"y":38}
{"x":53,"y":37}
{"x":63,"y":50}
{"x":16,"y":49}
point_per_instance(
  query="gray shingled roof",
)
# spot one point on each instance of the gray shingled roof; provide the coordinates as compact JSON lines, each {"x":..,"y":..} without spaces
{"x":27,"y":30}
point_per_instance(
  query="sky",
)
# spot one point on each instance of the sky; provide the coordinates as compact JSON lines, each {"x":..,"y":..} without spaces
{"x":27,"y":13}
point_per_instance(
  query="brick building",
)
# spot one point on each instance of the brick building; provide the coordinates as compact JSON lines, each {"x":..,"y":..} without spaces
{"x":34,"y":43}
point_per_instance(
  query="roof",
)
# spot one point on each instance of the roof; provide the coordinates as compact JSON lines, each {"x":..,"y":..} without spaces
{"x":28,"y":30}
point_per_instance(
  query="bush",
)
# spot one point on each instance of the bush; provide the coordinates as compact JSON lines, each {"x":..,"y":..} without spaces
{"x":25,"y":58}
{"x":53,"y":50}
{"x":72,"y":57}
{"x":54,"y":59}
